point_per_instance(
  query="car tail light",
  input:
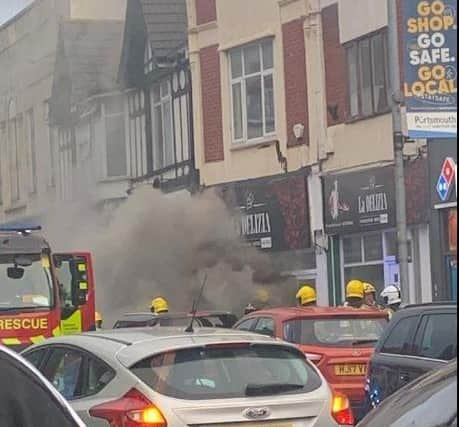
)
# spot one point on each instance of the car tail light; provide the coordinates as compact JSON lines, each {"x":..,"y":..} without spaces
{"x":314,"y":358}
{"x":341,"y":410}
{"x":132,"y":410}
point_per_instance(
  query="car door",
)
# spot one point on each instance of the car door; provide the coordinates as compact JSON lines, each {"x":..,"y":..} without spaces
{"x":390,"y":364}
{"x":79,"y":376}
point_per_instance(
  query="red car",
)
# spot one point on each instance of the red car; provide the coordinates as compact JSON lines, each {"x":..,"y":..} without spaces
{"x":340,"y":341}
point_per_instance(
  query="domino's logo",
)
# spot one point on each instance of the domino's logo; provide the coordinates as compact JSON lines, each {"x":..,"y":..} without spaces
{"x":447,"y":176}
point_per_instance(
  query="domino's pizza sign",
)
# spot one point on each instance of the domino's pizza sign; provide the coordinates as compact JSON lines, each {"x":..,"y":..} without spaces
{"x":448,"y":178}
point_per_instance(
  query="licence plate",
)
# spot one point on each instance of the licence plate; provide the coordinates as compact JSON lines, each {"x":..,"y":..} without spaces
{"x":355,"y":370}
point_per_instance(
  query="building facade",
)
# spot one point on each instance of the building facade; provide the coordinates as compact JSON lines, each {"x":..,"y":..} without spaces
{"x":300,"y":87}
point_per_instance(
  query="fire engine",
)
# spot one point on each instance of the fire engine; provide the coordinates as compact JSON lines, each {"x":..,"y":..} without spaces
{"x":42,"y":294}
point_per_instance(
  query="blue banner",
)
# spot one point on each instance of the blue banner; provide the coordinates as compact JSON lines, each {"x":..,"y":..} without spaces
{"x":430,"y":68}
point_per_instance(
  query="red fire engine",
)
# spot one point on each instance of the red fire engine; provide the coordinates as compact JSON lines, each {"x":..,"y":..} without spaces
{"x":42,"y":294}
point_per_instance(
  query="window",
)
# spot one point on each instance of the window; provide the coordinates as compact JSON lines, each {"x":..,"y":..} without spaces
{"x":36,"y":357}
{"x":364,"y":257}
{"x":439,"y":341}
{"x":99,"y":375}
{"x":265,"y":326}
{"x":137,"y":152}
{"x":400,"y":340}
{"x":224,"y":372}
{"x":252,"y":88}
{"x":368,"y":76}
{"x":3,"y":140}
{"x":64,"y":370}
{"x":31,"y":151}
{"x":14,"y":158}
{"x":115,"y":137}
{"x":163,"y":140}
{"x":246,"y":325}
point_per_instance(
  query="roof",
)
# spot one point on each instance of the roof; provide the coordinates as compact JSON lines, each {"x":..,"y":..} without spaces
{"x":163,"y":23}
{"x":296,"y":312}
{"x":87,"y":63}
{"x":133,"y":345}
{"x":17,"y":243}
{"x":166,"y":24}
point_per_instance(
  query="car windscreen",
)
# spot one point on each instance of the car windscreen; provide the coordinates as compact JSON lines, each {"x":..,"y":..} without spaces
{"x":123,"y":324}
{"x":25,"y":282}
{"x":226,"y":321}
{"x":342,"y":332}
{"x":228,"y":371}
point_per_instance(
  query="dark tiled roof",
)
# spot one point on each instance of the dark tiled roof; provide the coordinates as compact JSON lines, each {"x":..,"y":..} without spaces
{"x":87,"y":62}
{"x":166,"y":25}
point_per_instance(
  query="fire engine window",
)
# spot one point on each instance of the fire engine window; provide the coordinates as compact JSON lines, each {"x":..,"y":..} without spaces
{"x":65,"y":279}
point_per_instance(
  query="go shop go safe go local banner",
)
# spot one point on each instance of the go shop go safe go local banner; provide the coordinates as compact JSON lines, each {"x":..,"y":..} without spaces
{"x":430,"y":74}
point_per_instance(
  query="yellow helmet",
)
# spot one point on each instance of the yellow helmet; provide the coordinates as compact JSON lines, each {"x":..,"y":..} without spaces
{"x":306,"y":295}
{"x":262,"y":295}
{"x":369,"y":288}
{"x":98,"y":317}
{"x":159,"y":305}
{"x":355,"y":289}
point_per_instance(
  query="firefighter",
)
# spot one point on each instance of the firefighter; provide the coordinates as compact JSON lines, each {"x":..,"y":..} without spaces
{"x":392,"y":298}
{"x":159,"y":305}
{"x":99,"y":320}
{"x":370,"y":296}
{"x":307,"y":296}
{"x":355,"y":293}
{"x":249,"y":309}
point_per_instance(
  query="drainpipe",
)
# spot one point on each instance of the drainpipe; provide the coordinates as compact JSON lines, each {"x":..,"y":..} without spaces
{"x":318,"y":148}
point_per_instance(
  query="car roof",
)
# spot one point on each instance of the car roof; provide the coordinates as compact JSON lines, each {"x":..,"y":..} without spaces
{"x":431,"y":306}
{"x":130,"y":346}
{"x":287,"y":313}
{"x":177,"y":315}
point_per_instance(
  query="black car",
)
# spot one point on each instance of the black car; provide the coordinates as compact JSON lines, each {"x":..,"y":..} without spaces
{"x":27,"y":399}
{"x":430,"y":401}
{"x":418,"y":339}
{"x":207,"y":319}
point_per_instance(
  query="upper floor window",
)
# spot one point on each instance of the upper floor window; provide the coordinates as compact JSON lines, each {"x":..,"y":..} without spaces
{"x":3,"y":135}
{"x":115,"y":137}
{"x":163,"y":138}
{"x":252,"y":89}
{"x":367,"y":71}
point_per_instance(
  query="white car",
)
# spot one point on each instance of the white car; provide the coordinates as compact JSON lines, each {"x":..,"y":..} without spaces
{"x":168,"y":377}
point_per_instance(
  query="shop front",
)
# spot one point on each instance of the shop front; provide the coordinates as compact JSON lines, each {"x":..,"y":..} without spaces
{"x":443,"y":190}
{"x":272,"y":215}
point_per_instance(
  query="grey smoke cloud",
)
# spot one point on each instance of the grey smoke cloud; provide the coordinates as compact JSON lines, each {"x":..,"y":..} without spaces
{"x":155,"y":244}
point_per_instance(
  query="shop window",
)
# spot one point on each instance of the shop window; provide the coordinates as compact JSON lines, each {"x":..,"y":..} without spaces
{"x":352,"y":250}
{"x":252,"y":88}
{"x":373,"y":247}
{"x":368,"y":76}
{"x":452,"y":230}
{"x":391,"y":243}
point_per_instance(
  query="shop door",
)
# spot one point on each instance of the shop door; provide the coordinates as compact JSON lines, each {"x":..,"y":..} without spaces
{"x":452,"y":276}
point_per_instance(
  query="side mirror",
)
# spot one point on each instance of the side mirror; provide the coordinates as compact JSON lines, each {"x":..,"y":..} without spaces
{"x":15,"y":273}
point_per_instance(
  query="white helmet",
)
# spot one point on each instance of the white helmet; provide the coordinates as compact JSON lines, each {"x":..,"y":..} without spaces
{"x":391,"y":295}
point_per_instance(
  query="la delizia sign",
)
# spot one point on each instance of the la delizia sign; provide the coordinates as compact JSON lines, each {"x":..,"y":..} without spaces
{"x":430,"y":67}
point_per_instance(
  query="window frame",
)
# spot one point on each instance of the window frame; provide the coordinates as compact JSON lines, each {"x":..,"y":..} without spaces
{"x":242,"y":80}
{"x":356,"y":44}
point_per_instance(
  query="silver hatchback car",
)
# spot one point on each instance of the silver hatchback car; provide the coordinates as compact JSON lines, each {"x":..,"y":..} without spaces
{"x":170,"y":378}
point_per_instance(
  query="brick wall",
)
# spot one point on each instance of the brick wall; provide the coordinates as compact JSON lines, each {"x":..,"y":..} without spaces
{"x":211,"y":104}
{"x":335,"y":67}
{"x":206,"y":11}
{"x":296,"y":91}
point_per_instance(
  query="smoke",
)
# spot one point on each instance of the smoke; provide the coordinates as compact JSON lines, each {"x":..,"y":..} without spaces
{"x":154,"y":244}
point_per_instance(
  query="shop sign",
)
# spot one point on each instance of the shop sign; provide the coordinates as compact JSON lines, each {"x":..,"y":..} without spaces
{"x":443,"y":172}
{"x":430,"y":67}
{"x":271,"y":214}
{"x":360,"y":201}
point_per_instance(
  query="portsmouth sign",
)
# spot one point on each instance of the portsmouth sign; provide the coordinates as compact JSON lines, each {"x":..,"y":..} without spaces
{"x":360,"y":201}
{"x":430,"y":67}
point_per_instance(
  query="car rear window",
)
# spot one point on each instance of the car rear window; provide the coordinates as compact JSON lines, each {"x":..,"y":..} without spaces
{"x":343,"y":332}
{"x":228,"y":371}
{"x":123,"y":324}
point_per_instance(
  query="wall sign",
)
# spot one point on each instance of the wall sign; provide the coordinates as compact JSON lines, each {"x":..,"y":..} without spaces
{"x":443,"y":172}
{"x":271,"y":214}
{"x":360,"y":201}
{"x":430,"y":67}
